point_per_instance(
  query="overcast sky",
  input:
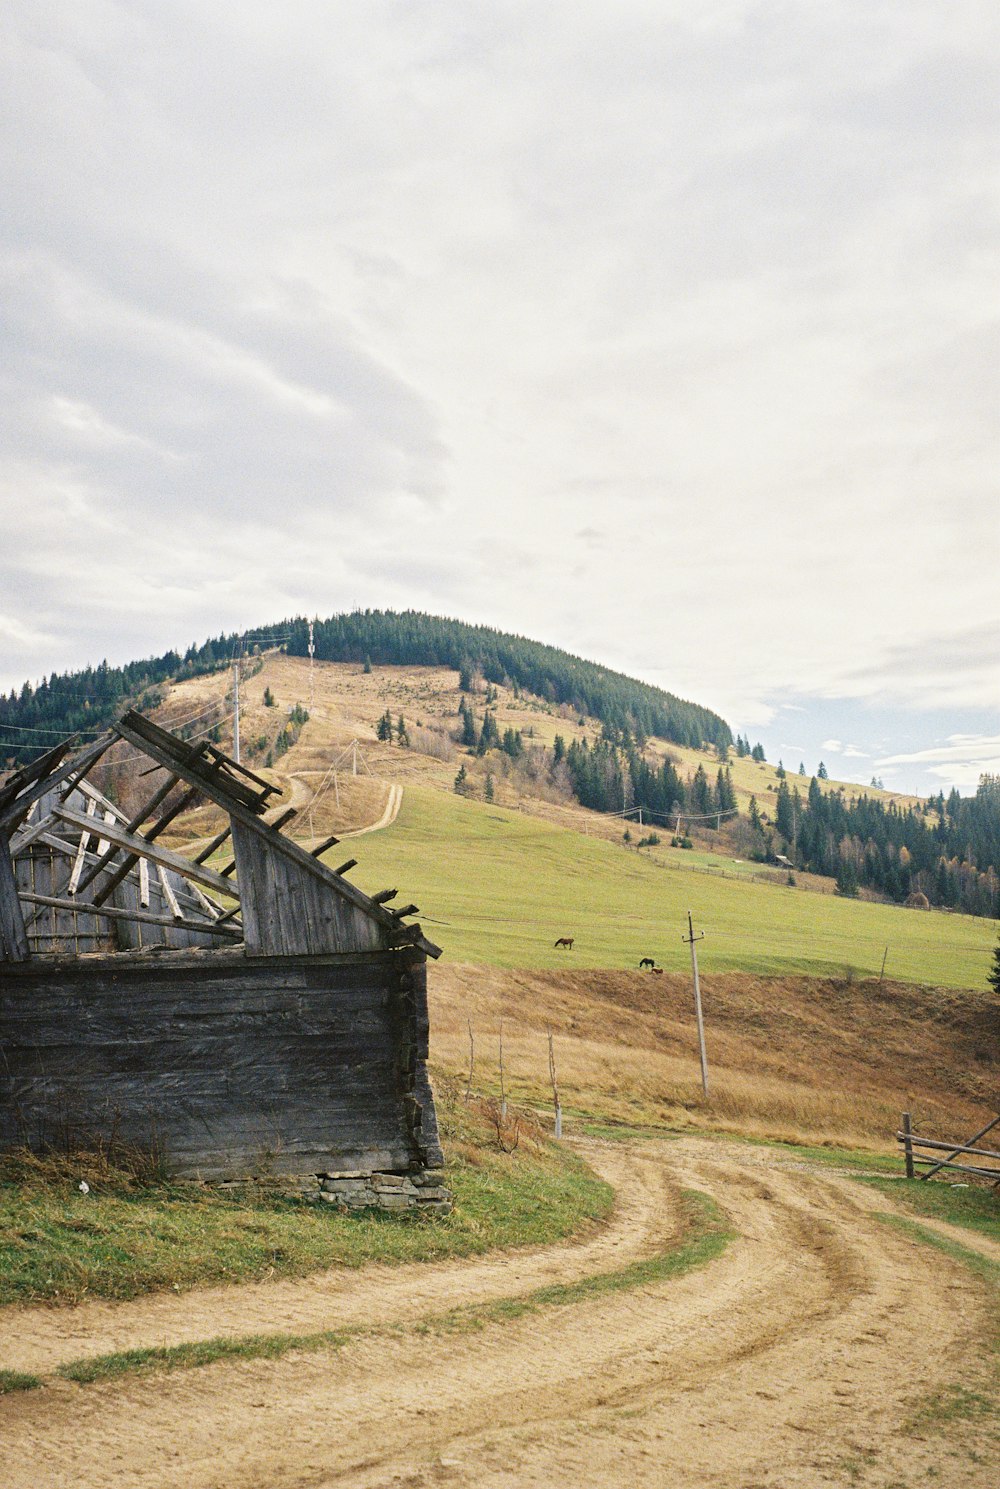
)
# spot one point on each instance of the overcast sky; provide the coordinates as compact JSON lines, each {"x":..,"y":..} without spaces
{"x":664,"y":332}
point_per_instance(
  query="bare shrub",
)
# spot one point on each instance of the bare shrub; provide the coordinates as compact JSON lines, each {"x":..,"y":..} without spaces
{"x":431,"y":741}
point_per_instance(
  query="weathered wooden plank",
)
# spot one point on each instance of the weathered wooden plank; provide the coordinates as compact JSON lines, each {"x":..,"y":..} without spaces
{"x":84,"y":907}
{"x":216,"y":843}
{"x":223,"y":779}
{"x":132,"y":825}
{"x":14,"y":810}
{"x":153,"y":851}
{"x":13,"y":936}
{"x":231,"y":1063}
{"x":25,"y":837}
{"x":330,"y":842}
{"x":131,"y":859}
{"x":285,"y":846}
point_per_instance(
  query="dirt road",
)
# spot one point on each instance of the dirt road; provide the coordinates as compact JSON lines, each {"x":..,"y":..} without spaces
{"x":800,"y":1357}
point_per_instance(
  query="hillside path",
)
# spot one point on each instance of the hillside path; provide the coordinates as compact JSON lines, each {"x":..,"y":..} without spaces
{"x":801,"y":1357}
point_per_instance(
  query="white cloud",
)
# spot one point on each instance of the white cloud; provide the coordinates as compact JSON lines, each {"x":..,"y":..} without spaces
{"x":662,"y":333}
{"x":832,"y":746}
{"x":959,"y":761}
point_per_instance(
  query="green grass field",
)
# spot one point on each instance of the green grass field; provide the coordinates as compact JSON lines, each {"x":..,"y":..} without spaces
{"x":499,"y":887}
{"x":126,"y":1237}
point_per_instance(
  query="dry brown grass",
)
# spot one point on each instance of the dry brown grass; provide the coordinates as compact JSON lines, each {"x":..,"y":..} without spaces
{"x":808,"y":1060}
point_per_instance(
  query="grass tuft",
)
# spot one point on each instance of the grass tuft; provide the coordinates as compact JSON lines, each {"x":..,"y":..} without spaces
{"x":18,"y":1380}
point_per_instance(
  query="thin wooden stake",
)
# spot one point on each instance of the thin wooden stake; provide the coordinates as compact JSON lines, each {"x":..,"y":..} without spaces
{"x":882,"y":973}
{"x":472,"y":1063}
{"x":555,"y":1087}
{"x":503,"y":1092}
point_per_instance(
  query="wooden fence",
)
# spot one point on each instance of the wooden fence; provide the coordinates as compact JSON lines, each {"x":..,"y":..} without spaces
{"x":943,"y":1154}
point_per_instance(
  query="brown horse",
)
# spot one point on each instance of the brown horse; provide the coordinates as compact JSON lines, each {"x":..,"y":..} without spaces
{"x":566,"y":941}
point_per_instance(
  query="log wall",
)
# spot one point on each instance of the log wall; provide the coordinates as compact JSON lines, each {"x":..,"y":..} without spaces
{"x":228,"y":1065}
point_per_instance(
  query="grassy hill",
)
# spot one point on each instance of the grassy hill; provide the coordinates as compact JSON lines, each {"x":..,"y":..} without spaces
{"x":500,"y":886}
{"x":498,"y":883}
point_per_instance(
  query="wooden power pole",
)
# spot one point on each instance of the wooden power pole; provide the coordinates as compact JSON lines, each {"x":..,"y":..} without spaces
{"x":691,"y":939}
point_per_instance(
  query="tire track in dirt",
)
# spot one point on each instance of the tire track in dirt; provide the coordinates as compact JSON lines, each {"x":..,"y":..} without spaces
{"x":791,"y":1358}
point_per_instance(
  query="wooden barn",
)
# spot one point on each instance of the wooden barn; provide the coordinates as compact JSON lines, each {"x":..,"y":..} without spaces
{"x":260,"y":1016}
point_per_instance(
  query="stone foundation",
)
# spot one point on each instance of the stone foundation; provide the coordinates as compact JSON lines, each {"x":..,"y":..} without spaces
{"x":421,"y":1190}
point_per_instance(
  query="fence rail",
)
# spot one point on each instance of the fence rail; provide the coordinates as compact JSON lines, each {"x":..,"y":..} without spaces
{"x":915,"y":1160}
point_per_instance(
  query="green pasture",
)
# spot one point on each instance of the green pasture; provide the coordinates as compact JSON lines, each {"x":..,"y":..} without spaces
{"x":499,"y":887}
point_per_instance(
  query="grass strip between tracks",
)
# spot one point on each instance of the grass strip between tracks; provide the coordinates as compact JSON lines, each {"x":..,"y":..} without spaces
{"x":705,"y":1236}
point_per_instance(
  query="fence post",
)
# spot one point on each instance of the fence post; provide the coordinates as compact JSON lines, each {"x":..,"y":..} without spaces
{"x":908,"y":1145}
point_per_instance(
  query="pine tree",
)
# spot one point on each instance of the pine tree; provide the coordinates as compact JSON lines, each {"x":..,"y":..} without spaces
{"x":489,"y":739}
{"x":488,"y":789}
{"x":470,"y":736}
{"x":822,"y":772}
{"x":993,"y":975}
{"x":461,"y":780}
{"x":384,"y":728}
{"x":402,"y":737}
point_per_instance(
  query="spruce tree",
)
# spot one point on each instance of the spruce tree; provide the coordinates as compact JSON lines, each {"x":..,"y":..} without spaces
{"x":993,"y":975}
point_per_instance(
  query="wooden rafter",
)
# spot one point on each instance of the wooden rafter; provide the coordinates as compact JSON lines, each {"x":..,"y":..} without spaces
{"x":143,"y":848}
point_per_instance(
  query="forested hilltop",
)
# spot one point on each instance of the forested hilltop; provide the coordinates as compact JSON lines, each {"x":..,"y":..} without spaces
{"x":411,"y":638}
{"x":85,"y":702}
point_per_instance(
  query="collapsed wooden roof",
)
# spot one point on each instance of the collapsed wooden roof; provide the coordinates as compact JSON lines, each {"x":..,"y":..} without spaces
{"x":74,"y":869}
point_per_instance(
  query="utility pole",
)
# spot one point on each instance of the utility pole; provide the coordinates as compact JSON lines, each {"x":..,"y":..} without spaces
{"x":236,"y":707}
{"x":312,"y":653}
{"x":691,"y":938}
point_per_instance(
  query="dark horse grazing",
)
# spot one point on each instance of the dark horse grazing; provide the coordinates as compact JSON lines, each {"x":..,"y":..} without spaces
{"x":566,"y":941}
{"x":647,"y":961}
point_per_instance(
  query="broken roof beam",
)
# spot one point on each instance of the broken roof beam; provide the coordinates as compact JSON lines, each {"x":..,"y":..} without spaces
{"x":132,"y":825}
{"x":28,"y":788}
{"x":159,"y":745}
{"x":330,"y":842}
{"x":222,"y":779}
{"x":158,"y":826}
{"x":143,"y":848}
{"x":217,"y":842}
{"x":112,"y":912}
{"x":28,"y":835}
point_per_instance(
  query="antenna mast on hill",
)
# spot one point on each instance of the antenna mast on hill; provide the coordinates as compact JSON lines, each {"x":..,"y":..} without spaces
{"x":236,"y":707}
{"x":312,"y":653}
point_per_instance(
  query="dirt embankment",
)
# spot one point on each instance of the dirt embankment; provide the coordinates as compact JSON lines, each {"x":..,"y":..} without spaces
{"x":803,"y":1059}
